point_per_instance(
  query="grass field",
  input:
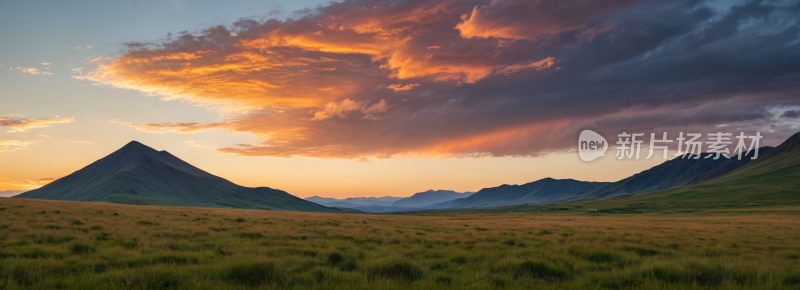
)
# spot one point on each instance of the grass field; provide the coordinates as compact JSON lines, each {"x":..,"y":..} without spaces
{"x":73,"y":245}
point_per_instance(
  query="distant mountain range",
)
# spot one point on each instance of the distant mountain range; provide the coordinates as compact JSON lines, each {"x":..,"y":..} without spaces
{"x":355,"y":201}
{"x":137,"y":174}
{"x":418,"y":201}
{"x":545,"y":190}
{"x":430,"y":197}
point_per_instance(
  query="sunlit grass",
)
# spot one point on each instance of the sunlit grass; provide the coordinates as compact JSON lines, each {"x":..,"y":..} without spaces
{"x":50,"y":244}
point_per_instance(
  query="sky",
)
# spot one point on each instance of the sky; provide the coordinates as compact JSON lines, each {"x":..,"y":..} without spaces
{"x":385,"y":98}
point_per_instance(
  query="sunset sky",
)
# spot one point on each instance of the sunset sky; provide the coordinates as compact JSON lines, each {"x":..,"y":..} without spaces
{"x":377,"y":98}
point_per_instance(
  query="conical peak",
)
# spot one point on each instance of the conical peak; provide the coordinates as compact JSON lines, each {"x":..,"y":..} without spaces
{"x":137,"y":145}
{"x":138,"y":150}
{"x":135,"y":148}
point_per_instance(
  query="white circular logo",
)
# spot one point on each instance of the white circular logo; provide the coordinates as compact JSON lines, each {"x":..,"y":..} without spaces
{"x":591,"y":145}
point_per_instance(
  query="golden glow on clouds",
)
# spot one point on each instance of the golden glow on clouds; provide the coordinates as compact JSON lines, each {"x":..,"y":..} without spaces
{"x":11,"y":145}
{"x":485,"y":144}
{"x":33,"y":71}
{"x":23,"y":125}
{"x":170,"y":127}
{"x":538,"y":65}
{"x":341,"y":108}
{"x":399,"y":87}
{"x":350,"y":80}
{"x":24,"y":185}
{"x":513,"y":19}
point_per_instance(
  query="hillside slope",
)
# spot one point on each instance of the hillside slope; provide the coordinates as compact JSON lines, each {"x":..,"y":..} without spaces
{"x":773,"y":176}
{"x":426,"y":198}
{"x":676,"y":172}
{"x":540,"y":191}
{"x":137,"y":174}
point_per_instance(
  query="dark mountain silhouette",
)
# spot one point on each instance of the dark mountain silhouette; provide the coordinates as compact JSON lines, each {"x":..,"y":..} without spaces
{"x":772,"y":176}
{"x":351,"y":202}
{"x":426,"y":198}
{"x":387,"y":204}
{"x":137,"y":174}
{"x":676,"y":172}
{"x":447,"y":204}
{"x":541,"y":191}
{"x":729,"y":166}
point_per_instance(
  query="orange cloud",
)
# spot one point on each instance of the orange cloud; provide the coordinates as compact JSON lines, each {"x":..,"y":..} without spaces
{"x":11,"y":145}
{"x":24,"y":185}
{"x":340,"y":109}
{"x":520,"y":19}
{"x":23,"y":125}
{"x":399,"y":87}
{"x":373,"y":79}
{"x":303,"y":63}
{"x":537,"y":65}
{"x":503,"y":142}
{"x":32,"y":71}
{"x":316,"y":77}
{"x":170,"y":127}
{"x":369,"y":144}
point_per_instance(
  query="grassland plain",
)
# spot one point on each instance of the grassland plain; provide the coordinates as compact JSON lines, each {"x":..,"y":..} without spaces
{"x":75,"y":245}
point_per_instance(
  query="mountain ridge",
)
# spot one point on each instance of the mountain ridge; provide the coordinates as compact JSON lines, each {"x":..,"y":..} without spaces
{"x":138,"y":174}
{"x":354,"y":201}
{"x":679,"y":171}
{"x":429,"y":197}
{"x":544,"y":190}
{"x":773,"y":176}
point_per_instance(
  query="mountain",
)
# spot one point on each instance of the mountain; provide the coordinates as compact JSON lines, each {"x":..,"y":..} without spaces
{"x":418,"y":201}
{"x":426,"y":198}
{"x":676,"y":172}
{"x":541,"y":191}
{"x":137,"y":174}
{"x":382,"y":209}
{"x":725,"y":168}
{"x":447,"y":204}
{"x":354,"y":201}
{"x":771,"y":177}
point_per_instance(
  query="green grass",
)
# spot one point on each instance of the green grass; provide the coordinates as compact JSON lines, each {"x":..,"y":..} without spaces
{"x":197,"y":248}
